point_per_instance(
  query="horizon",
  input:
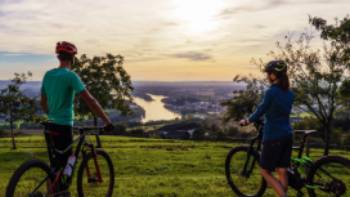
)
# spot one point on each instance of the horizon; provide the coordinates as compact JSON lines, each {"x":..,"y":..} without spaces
{"x":161,"y":40}
{"x":142,"y":81}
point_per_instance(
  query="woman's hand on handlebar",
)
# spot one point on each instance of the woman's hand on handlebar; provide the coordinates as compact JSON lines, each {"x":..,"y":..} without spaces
{"x":244,"y":122}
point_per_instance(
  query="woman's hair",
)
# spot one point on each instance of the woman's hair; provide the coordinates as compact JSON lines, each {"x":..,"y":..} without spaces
{"x":283,"y":80}
{"x":279,"y":69}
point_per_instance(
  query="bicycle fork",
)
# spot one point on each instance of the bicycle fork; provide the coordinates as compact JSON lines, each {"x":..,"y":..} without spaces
{"x":97,"y":177}
{"x":249,"y":165}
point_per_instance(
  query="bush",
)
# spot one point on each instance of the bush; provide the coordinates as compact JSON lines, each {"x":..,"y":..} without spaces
{"x":199,"y":134}
{"x":342,"y":123}
{"x":2,"y":133}
{"x":137,"y":133}
{"x":119,"y":129}
{"x":307,"y":123}
{"x":232,"y":131}
{"x":345,"y":140}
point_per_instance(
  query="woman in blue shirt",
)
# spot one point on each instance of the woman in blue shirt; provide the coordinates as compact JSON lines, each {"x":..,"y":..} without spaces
{"x":276,"y":107}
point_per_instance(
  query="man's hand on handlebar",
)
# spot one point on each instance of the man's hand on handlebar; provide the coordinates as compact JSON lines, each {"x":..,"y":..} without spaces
{"x":244,"y":122}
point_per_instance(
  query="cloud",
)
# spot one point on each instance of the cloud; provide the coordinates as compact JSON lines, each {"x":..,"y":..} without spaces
{"x":193,"y":56}
{"x":260,"y":26}
{"x":252,"y":7}
{"x":18,"y":57}
{"x":150,"y":32}
{"x":270,"y":4}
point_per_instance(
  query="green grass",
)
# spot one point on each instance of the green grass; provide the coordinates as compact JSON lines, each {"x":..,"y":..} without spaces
{"x":145,"y":167}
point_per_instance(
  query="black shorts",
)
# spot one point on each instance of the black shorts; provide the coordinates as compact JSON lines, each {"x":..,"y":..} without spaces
{"x":58,"y":137}
{"x":276,"y":153}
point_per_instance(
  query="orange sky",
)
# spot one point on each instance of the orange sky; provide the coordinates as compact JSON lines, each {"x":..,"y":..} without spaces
{"x":162,"y":40}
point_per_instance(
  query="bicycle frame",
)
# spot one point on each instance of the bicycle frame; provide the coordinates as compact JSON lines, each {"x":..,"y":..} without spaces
{"x":299,"y":161}
{"x":298,"y":178}
{"x":81,"y":143}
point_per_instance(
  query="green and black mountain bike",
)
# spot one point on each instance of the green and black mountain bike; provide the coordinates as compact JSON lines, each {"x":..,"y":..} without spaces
{"x":325,"y":177}
{"x":95,"y":176}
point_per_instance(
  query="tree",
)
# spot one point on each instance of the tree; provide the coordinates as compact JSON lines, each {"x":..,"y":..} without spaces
{"x":14,"y":104}
{"x":107,"y":81}
{"x":318,"y":74}
{"x":243,"y":101}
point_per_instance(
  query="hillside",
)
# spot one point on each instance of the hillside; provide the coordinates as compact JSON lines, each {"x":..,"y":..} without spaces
{"x":144,"y":167}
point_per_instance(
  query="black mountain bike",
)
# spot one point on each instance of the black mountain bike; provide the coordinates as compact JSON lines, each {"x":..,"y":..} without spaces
{"x":95,"y":177}
{"x":327,"y":176}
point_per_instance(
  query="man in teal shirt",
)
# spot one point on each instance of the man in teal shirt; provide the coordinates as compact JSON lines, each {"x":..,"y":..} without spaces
{"x":59,"y":88}
{"x":61,"y":85}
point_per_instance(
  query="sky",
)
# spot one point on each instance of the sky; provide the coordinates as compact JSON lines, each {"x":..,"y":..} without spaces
{"x":161,"y":40}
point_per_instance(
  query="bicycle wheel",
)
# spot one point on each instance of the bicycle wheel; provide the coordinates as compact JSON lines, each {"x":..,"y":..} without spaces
{"x":330,"y":176}
{"x":242,"y":172}
{"x":30,"y":179}
{"x":89,"y":181}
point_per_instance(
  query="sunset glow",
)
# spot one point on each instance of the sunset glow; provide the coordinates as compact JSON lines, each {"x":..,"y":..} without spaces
{"x":160,"y":39}
{"x":197,"y":16}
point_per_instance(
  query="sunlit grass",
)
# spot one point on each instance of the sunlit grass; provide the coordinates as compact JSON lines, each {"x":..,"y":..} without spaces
{"x":146,"y":167}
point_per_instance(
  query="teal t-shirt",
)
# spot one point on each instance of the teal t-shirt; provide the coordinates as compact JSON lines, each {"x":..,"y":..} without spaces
{"x":60,"y":85}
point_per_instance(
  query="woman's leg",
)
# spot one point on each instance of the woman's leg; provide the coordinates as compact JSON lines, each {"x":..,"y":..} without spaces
{"x":283,"y":177}
{"x":284,"y":162}
{"x":273,"y":182}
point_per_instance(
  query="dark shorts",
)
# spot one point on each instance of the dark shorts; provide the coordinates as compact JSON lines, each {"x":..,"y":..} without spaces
{"x":58,"y":137}
{"x":276,"y":153}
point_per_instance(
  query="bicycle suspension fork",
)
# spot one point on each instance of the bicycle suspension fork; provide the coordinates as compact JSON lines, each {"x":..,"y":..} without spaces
{"x":96,"y":164}
{"x":249,"y":165}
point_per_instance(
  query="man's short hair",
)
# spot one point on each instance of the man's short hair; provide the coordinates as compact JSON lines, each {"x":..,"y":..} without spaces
{"x":65,"y":57}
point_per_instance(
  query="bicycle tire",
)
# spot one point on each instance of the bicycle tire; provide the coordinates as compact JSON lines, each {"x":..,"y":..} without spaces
{"x":84,"y":164}
{"x":318,"y":166}
{"x":11,"y":187}
{"x":232,"y":184}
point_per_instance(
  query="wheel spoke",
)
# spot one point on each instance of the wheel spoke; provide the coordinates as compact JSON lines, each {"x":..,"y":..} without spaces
{"x":91,"y":174}
{"x":32,"y":183}
{"x":331,"y":178}
{"x":243,"y":174}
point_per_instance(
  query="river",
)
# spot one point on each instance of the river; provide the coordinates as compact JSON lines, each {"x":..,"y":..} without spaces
{"x":155,"y":109}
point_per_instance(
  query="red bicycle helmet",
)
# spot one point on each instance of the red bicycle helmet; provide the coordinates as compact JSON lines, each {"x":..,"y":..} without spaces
{"x":66,"y":47}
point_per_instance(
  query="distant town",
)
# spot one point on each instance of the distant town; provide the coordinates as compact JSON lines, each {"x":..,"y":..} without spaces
{"x":196,"y":99}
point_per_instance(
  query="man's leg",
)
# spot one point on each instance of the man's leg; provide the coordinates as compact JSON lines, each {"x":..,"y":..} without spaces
{"x":61,"y":140}
{"x":273,"y":182}
{"x":283,"y":177}
{"x":49,"y":151}
{"x":63,"y":143}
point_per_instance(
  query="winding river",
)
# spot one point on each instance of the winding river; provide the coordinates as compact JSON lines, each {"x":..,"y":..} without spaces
{"x":155,"y":109}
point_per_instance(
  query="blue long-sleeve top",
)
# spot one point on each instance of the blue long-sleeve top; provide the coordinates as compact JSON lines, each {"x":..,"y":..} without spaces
{"x":276,"y":106}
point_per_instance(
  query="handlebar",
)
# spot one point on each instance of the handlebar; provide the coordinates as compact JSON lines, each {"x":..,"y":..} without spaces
{"x":88,"y":129}
{"x":259,"y":124}
{"x":92,"y":131}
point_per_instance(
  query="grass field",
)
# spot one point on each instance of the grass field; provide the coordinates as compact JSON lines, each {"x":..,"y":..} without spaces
{"x":145,"y":167}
